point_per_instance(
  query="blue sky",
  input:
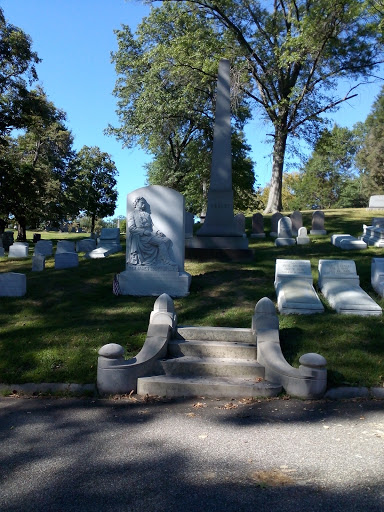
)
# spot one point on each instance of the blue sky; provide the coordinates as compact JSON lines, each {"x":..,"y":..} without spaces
{"x":74,"y":39}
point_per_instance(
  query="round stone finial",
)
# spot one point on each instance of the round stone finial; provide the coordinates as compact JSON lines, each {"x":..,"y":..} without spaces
{"x":313,"y":360}
{"x":112,"y":351}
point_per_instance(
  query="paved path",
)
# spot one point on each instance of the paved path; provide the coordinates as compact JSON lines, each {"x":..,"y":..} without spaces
{"x":194,"y":455}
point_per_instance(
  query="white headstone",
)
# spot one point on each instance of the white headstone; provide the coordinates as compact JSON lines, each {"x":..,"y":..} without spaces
{"x":340,"y":284}
{"x":294,"y":288}
{"x":18,"y":250}
{"x":376,"y":202}
{"x":302,"y":237}
{"x":377,"y":275}
{"x":155,"y":243}
{"x":348,"y":242}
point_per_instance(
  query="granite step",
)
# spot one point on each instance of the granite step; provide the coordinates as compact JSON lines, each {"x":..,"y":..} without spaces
{"x":216,"y":334}
{"x":213,"y":367}
{"x":204,"y":348}
{"x":217,"y":387}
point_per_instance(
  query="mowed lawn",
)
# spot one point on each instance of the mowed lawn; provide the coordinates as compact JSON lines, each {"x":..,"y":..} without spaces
{"x":53,"y":334}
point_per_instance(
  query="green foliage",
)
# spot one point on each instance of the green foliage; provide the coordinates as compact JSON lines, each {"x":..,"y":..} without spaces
{"x":91,"y":183}
{"x":17,"y":70}
{"x":292,"y":53}
{"x":329,"y":178}
{"x":167,"y":77}
{"x":371,"y":156}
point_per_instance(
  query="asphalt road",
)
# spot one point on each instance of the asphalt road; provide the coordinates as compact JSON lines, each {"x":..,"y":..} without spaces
{"x":194,"y":455}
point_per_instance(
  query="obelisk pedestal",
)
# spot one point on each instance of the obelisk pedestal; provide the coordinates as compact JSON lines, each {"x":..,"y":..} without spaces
{"x":220,"y":231}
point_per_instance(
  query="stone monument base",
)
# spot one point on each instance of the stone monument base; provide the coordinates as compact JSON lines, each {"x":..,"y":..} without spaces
{"x":153,"y":281}
{"x":217,"y":242}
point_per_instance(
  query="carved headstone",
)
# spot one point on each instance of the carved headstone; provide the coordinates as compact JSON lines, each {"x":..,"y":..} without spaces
{"x":376,"y":203}
{"x":340,"y":285}
{"x":294,"y":288}
{"x":44,"y":247}
{"x":257,"y":226}
{"x":65,"y":246}
{"x":155,"y":244}
{"x":274,"y":222}
{"x":13,"y":284}
{"x":318,"y":223}
{"x":284,"y":232}
{"x":240,"y":222}
{"x":18,"y":250}
{"x":377,"y":275}
{"x":66,"y":260}
{"x":302,"y":237}
{"x":297,"y":222}
{"x":38,"y":262}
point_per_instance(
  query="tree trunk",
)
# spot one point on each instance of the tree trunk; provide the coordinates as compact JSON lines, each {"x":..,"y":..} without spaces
{"x":21,"y":229}
{"x":2,"y":226}
{"x":93,"y":223}
{"x":274,"y":199}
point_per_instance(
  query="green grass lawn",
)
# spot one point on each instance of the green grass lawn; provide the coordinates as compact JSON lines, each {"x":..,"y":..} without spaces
{"x":53,"y":334}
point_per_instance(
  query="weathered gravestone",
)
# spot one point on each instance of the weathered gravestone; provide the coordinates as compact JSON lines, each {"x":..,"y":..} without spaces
{"x":155,"y":244}
{"x":376,"y":203}
{"x":348,"y":242}
{"x":297,"y":222}
{"x":65,"y":246}
{"x":38,"y":262}
{"x":7,"y":239}
{"x":374,"y":234}
{"x":86,"y":245}
{"x":377,"y":275}
{"x":284,"y":232}
{"x":340,"y":285}
{"x":294,"y":288}
{"x":66,"y":260}
{"x":274,"y":223}
{"x":220,"y":230}
{"x":302,"y":237}
{"x":189,"y":221}
{"x":44,"y":247}
{"x":13,"y":284}
{"x":240,"y":222}
{"x":18,"y":250}
{"x":318,"y":223}
{"x":109,"y":239}
{"x":36,"y":237}
{"x":257,"y":226}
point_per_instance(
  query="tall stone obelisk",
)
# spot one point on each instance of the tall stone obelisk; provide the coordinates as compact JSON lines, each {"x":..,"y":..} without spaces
{"x":219,"y":221}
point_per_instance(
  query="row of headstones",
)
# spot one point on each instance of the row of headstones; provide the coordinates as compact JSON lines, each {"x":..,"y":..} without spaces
{"x":372,"y":235}
{"x":66,"y":252}
{"x":338,"y":282}
{"x":296,"y":222}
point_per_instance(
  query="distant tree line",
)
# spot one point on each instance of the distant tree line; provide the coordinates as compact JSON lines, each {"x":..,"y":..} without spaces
{"x":42,"y":178}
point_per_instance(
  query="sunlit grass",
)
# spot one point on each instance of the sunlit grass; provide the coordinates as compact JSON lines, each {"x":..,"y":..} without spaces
{"x":53,"y":334}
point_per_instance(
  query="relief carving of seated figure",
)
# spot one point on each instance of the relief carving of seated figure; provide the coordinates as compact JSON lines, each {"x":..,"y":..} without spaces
{"x":147,"y":245}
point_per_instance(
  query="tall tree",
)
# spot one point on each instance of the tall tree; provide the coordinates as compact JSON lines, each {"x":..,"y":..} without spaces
{"x":166,"y":86}
{"x":34,"y":165}
{"x":92,"y":183}
{"x":294,"y":52}
{"x":17,"y":72}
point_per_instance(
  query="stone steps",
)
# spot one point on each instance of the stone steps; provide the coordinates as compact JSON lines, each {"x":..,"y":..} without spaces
{"x":218,"y":387}
{"x":212,"y":367}
{"x":210,"y":361}
{"x":203,"y":348}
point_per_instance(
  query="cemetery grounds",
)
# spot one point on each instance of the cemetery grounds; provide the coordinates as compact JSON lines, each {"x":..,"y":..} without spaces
{"x":53,"y":334}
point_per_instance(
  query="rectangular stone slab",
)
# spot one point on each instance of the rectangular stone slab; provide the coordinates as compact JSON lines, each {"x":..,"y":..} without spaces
{"x":294,"y":288}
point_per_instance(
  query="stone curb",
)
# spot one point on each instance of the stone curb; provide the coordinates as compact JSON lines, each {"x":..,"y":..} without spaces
{"x":31,"y":388}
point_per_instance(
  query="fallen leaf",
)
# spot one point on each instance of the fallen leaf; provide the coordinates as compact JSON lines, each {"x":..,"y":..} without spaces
{"x":199,"y":405}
